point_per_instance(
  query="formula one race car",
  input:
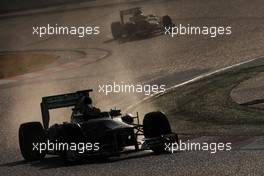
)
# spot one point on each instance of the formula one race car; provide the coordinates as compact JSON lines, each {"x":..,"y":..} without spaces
{"x":91,"y":132}
{"x":134,"y":23}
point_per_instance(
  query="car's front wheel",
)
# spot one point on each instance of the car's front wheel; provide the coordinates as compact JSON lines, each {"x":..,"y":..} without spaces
{"x":167,"y":21}
{"x":155,"y":125}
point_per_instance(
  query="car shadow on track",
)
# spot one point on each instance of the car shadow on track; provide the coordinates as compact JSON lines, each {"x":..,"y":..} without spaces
{"x":57,"y":162}
{"x":133,"y":39}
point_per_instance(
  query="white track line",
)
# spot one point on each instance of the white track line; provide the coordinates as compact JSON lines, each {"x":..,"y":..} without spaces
{"x":196,"y":79}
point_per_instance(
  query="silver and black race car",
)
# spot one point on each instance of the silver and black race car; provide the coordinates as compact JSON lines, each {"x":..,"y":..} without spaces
{"x":107,"y":133}
{"x":134,"y":23}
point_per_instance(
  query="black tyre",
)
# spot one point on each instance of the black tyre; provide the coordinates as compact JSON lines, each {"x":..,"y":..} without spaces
{"x":156,"y":124}
{"x":30,"y":133}
{"x":167,"y":21}
{"x":117,"y":30}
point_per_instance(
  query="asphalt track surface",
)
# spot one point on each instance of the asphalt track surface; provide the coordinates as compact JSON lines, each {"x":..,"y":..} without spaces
{"x":158,"y":59}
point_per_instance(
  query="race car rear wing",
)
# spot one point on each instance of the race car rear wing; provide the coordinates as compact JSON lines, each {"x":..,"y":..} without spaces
{"x":59,"y":101}
{"x":127,"y":12}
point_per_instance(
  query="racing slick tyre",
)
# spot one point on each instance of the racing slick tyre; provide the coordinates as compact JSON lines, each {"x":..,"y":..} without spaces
{"x":167,"y":21}
{"x":156,"y":124}
{"x":30,"y":133}
{"x":117,"y":30}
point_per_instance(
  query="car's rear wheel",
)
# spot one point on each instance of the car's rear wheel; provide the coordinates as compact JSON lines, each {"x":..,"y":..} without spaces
{"x":29,"y":134}
{"x":117,"y":30}
{"x":156,"y":124}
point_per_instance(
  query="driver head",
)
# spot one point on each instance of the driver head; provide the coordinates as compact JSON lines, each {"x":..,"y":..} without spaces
{"x":87,"y":100}
{"x":138,"y":12}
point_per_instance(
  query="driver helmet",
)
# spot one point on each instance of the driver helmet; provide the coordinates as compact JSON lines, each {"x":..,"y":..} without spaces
{"x":138,"y":12}
{"x":87,"y":100}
